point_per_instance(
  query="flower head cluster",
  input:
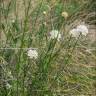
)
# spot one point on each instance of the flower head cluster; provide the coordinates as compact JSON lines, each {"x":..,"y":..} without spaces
{"x":81,"y":29}
{"x":55,"y":34}
{"x":32,"y":53}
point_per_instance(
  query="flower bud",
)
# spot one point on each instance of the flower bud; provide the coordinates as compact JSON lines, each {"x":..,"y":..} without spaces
{"x":64,"y":14}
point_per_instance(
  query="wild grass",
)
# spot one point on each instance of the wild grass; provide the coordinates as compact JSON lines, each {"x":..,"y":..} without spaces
{"x":63,"y":68}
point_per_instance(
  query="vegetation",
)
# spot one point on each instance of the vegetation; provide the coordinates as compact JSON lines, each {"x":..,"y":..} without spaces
{"x":63,"y":65}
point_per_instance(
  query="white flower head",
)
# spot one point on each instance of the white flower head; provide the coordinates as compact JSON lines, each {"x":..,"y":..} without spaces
{"x":55,"y":34}
{"x":81,"y":29}
{"x":32,"y":53}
